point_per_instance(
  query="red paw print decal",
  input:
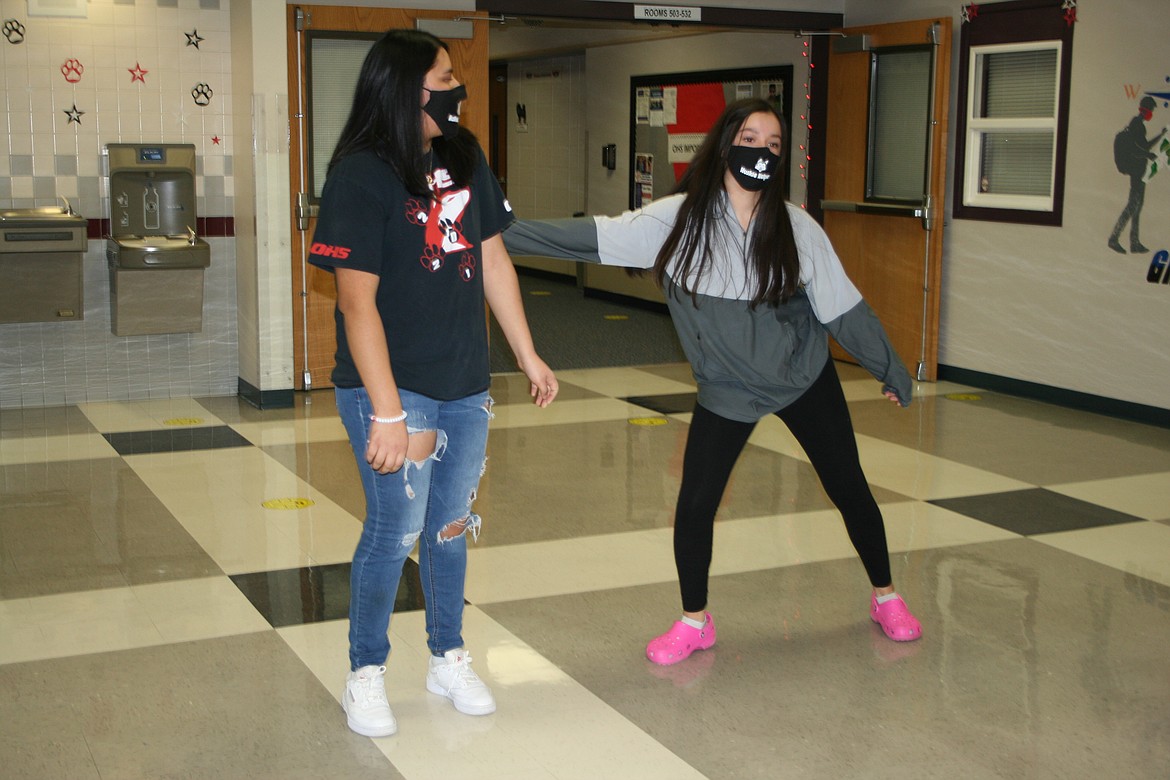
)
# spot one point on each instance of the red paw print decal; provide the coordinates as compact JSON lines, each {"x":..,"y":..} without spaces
{"x":416,"y":212}
{"x":72,"y":70}
{"x":467,"y":267}
{"x":432,"y":259}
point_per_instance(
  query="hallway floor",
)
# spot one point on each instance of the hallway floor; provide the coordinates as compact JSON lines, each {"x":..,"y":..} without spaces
{"x":174,"y":586}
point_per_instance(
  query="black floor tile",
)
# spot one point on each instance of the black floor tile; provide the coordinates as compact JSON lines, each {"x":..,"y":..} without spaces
{"x":1034,"y":511}
{"x":177,"y":440}
{"x":314,"y":594}
{"x":677,"y":403}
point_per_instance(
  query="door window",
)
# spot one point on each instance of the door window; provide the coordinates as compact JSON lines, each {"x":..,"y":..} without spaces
{"x":899,"y":124}
{"x":334,"y":60}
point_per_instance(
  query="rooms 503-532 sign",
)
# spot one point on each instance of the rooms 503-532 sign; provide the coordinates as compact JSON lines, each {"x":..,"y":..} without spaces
{"x":668,"y":13}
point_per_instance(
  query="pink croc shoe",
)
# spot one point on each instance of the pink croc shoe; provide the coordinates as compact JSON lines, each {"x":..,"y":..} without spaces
{"x":895,"y":619}
{"x":680,"y":641}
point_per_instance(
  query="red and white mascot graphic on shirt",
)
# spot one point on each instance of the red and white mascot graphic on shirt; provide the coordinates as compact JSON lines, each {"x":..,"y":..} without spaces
{"x":443,"y":218}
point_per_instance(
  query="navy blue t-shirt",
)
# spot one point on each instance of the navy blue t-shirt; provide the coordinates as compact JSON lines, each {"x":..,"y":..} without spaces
{"x":427,"y":252}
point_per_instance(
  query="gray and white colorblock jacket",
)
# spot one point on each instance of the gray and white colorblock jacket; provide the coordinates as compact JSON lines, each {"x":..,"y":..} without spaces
{"x":747,"y":362}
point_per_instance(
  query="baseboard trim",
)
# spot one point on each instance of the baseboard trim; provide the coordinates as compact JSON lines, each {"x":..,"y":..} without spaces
{"x":264,"y":399}
{"x":1111,"y":407}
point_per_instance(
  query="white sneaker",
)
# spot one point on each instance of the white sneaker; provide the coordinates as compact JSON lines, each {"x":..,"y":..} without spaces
{"x":453,"y":677}
{"x":364,"y":701}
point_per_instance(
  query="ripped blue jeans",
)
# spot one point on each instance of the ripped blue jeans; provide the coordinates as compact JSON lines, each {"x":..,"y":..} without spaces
{"x":417,"y":503}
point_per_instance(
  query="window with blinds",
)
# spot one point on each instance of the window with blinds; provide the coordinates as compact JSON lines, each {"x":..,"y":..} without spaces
{"x":1012,"y":113}
{"x":1011,"y":124}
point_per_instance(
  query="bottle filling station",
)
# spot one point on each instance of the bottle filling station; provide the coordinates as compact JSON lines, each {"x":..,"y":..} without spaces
{"x":155,"y":257}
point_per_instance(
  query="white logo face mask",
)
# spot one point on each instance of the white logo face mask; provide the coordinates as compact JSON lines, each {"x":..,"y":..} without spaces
{"x":443,"y":107}
{"x":752,"y":166}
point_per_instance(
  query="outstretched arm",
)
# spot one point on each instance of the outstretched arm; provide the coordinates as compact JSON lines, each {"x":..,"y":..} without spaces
{"x":631,"y":240}
{"x":564,"y":239}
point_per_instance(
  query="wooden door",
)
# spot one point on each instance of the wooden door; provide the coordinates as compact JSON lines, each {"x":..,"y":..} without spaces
{"x":891,"y":245}
{"x":313,"y":292}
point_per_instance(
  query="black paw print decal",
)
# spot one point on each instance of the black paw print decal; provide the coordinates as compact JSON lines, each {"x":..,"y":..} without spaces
{"x":13,"y":31}
{"x":416,"y":212}
{"x":467,"y":267}
{"x":452,"y":229}
{"x":72,"y":69}
{"x":432,"y":259}
{"x":202,"y":94}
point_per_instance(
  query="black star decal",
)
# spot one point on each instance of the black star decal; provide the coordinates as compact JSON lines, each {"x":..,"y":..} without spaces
{"x":74,"y":114}
{"x":193,"y":38}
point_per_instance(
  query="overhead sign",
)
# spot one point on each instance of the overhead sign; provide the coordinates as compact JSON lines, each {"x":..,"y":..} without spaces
{"x":668,"y":13}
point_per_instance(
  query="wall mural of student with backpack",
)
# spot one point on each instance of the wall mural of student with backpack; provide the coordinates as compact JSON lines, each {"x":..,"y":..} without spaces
{"x":1134,"y":156}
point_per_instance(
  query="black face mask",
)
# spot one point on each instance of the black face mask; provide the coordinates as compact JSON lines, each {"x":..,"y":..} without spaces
{"x":443,"y":107}
{"x":752,"y":166}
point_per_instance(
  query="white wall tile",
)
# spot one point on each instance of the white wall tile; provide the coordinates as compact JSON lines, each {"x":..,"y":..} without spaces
{"x":53,"y":363}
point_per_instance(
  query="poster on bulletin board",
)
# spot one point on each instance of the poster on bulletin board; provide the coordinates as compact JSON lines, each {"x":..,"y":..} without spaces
{"x":670,"y":115}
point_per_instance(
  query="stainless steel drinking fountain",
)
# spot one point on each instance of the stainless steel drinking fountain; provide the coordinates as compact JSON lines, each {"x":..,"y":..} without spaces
{"x":156,"y":258}
{"x":41,"y":277}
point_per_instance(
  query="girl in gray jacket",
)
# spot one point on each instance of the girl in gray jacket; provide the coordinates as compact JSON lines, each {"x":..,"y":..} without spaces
{"x":754,"y":288}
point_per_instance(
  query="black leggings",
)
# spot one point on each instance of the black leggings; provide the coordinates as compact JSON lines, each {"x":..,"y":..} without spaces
{"x":820,"y":421}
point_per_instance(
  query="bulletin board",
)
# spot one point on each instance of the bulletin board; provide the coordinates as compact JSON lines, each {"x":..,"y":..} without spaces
{"x":671,"y":113}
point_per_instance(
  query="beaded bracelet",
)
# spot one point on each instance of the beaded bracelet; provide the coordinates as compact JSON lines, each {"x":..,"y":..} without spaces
{"x":388,"y":420}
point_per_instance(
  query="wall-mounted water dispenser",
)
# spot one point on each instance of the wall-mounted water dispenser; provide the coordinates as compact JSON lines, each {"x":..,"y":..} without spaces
{"x":156,"y":258}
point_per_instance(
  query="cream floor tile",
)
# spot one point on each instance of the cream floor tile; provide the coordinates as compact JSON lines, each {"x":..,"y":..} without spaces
{"x":924,"y":389}
{"x":201,"y":608}
{"x":100,"y":636}
{"x":623,"y":382}
{"x":1141,"y":548}
{"x":772,"y":434}
{"x":919,"y":475}
{"x":902,"y":469}
{"x":121,"y":416}
{"x":591,"y":563}
{"x":547,"y":725}
{"x":241,"y":543}
{"x":769,"y":542}
{"x":869,"y":389}
{"x":327,"y":544}
{"x":583,"y":564}
{"x":75,"y":624}
{"x":21,"y":642}
{"x":300,"y":431}
{"x":46,"y":449}
{"x":581,"y":411}
{"x":220,"y":502}
{"x":915,"y":525}
{"x":1147,"y":495}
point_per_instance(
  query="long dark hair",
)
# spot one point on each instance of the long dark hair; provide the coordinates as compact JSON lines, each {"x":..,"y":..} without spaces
{"x":772,"y":258}
{"x":386,"y":117}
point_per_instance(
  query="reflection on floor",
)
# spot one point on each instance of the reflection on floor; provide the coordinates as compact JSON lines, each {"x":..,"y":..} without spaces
{"x":174,"y":579}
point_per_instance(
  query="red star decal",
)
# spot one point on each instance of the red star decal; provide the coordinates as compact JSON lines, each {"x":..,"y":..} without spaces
{"x":1070,"y":16}
{"x":215,"y":140}
{"x":137,"y":73}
